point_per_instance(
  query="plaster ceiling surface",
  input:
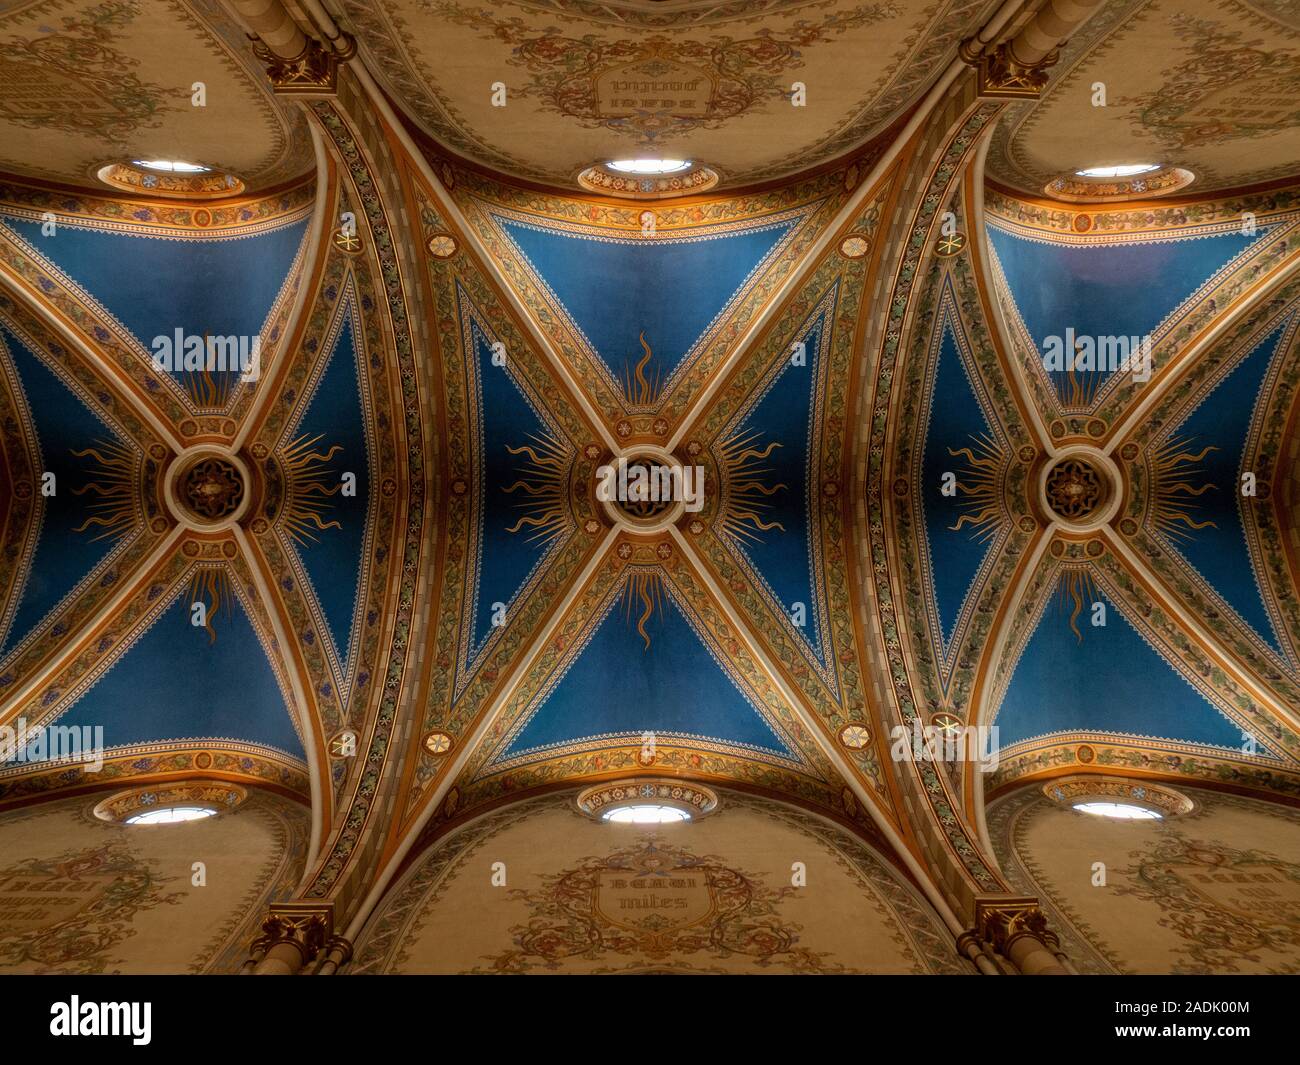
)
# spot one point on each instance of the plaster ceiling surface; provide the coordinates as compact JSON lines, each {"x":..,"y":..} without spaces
{"x":585,"y":82}
{"x":83,"y":84}
{"x":1212,"y":86}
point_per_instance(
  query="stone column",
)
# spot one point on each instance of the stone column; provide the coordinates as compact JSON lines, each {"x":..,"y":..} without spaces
{"x":1054,"y":22}
{"x":269,"y":20}
{"x":1018,"y":68}
{"x":338,"y":951}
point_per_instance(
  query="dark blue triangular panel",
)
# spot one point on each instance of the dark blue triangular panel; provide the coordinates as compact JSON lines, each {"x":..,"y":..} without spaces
{"x":672,"y":289}
{"x":176,"y":684}
{"x":956,"y":421}
{"x":333,"y":560}
{"x":1112,"y":681}
{"x":1219,"y":552}
{"x":673,"y":687}
{"x":63,"y":555}
{"x":784,"y":557}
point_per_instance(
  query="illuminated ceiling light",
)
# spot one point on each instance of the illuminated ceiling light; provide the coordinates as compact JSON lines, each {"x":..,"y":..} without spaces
{"x":1127,"y":170}
{"x":171,"y":166}
{"x":1120,"y":811}
{"x":648,"y":166}
{"x":645,"y":815}
{"x":171,"y":815}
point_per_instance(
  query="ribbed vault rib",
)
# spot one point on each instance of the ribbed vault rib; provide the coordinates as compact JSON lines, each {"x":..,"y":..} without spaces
{"x":1275,"y":261}
{"x":318,"y":250}
{"x":20,"y":289}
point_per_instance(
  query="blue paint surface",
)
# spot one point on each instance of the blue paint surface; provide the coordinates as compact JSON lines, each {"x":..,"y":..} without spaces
{"x":1220,"y":553}
{"x":1107,"y":290}
{"x":506,"y":559}
{"x":63,"y":555}
{"x":154,"y":286}
{"x":956,"y":421}
{"x":784,"y":556}
{"x":617,"y":685}
{"x":333,"y":560}
{"x":1111,"y":682}
{"x":174,"y":684}
{"x":670,"y":289}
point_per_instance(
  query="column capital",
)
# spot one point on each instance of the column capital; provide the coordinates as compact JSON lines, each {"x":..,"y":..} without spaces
{"x":314,"y":71}
{"x":1002,"y":920}
{"x":1003,"y":76}
{"x":305,"y":926}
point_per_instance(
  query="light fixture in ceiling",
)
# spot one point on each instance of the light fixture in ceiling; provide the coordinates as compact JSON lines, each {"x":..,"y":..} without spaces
{"x":648,"y":166}
{"x":1122,"y":171}
{"x":171,"y":166}
{"x":1116,"y":184}
{"x":645,"y":814}
{"x":647,"y":801}
{"x":1119,"y":811}
{"x":171,"y":179}
{"x":171,"y":815}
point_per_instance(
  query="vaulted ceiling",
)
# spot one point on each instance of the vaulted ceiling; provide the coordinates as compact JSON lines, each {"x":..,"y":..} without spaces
{"x":376,"y":573}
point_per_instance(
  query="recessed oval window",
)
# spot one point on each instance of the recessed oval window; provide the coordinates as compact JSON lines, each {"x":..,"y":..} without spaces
{"x":1126,"y":170}
{"x":645,"y":814}
{"x":171,"y":166}
{"x":171,"y":815}
{"x":648,"y":166}
{"x":1119,"y":811}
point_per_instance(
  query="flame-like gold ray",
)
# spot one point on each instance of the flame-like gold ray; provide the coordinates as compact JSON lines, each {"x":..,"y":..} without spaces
{"x":211,"y":586}
{"x":744,"y":476}
{"x":978,"y":491}
{"x":309,"y":489}
{"x":646,"y":588}
{"x":638,"y":390}
{"x":116,"y":486}
{"x":1175,"y":472}
{"x":542,"y":479}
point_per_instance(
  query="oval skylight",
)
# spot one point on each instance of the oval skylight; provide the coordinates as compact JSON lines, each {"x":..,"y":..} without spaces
{"x":171,"y":815}
{"x":1126,"y":170}
{"x":171,"y":166}
{"x":1120,"y":811}
{"x":648,"y":166}
{"x":647,"y":814}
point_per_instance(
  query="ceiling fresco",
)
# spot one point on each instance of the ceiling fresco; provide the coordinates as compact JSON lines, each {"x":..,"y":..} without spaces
{"x":707,"y":81}
{"x":1208,"y":540}
{"x":371,"y":565}
{"x":1208,"y":85}
{"x":85,"y":83}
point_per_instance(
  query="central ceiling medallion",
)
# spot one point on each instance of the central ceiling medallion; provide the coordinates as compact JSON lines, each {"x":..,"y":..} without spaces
{"x":643,"y":504}
{"x":212,"y":489}
{"x":649,"y":489}
{"x":1074,"y":489}
{"x":1080,"y":488}
{"x":208,"y":488}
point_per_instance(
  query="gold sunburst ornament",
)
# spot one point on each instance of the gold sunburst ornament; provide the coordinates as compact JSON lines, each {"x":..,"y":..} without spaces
{"x":1175,"y":475}
{"x":1076,"y":588}
{"x":645,"y":588}
{"x":638,"y":389}
{"x":114,"y":486}
{"x":745,"y":487}
{"x":950,"y":245}
{"x":211,"y":587}
{"x":309,"y":489}
{"x":978,"y":491}
{"x":541,"y":481}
